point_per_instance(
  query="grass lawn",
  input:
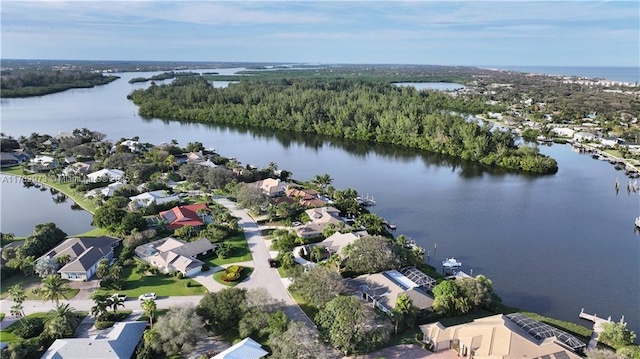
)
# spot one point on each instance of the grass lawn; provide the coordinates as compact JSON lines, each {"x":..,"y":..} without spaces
{"x":2,"y":316}
{"x":307,"y":308}
{"x":7,"y":335}
{"x":240,"y":253}
{"x":63,"y":187}
{"x":613,"y":152}
{"x":407,"y":337}
{"x":246,"y":272}
{"x":161,"y":284}
{"x":17,"y":278}
{"x":96,"y":232}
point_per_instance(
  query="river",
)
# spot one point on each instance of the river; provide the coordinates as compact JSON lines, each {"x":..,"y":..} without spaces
{"x":551,"y":244}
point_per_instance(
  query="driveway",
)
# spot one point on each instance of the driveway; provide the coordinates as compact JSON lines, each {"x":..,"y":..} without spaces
{"x":263,"y":275}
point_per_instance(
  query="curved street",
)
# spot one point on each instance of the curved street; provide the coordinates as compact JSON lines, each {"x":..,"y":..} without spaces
{"x":263,"y":276}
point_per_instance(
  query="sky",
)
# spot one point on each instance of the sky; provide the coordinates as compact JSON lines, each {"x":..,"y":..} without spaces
{"x":476,"y":33}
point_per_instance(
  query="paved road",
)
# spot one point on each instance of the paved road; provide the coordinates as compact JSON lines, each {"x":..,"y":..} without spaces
{"x":263,"y":276}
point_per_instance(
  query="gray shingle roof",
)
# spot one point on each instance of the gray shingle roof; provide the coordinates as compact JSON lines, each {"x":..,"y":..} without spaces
{"x":121,"y":342}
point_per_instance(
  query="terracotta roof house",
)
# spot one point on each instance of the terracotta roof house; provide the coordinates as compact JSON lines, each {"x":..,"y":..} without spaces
{"x":106,"y":175}
{"x":171,"y":254}
{"x":158,"y":197}
{"x":320,"y":219}
{"x":180,"y":216}
{"x":85,"y":254}
{"x":245,"y":349}
{"x":383,"y":289}
{"x":121,"y":342}
{"x":306,"y":197}
{"x":271,"y":187}
{"x":503,"y":337}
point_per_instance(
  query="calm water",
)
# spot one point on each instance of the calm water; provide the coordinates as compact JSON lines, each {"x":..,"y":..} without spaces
{"x":624,"y":74}
{"x":551,"y":244}
{"x":22,"y":208}
{"x":441,"y":86}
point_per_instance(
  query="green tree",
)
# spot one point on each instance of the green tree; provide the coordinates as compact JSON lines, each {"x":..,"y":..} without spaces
{"x":299,"y":341}
{"x":372,"y":254}
{"x":404,"y":314}
{"x":629,"y":352}
{"x":350,"y":325}
{"x":53,"y":288}
{"x":62,"y":320}
{"x":445,"y":295}
{"x":102,"y":303}
{"x":46,"y":266}
{"x":150,"y":308}
{"x":18,"y":296}
{"x":319,"y":285}
{"x":616,"y":335}
{"x":115,"y":302}
{"x":223,"y":310}
{"x":178,"y":331}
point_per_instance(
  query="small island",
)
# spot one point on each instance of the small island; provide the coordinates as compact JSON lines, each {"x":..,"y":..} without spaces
{"x":28,"y":83}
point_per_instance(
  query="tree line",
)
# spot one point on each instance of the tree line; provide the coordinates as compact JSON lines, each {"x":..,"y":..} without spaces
{"x":362,"y":110}
{"x":38,"y":83}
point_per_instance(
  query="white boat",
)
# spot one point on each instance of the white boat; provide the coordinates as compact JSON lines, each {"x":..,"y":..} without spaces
{"x":638,"y":222}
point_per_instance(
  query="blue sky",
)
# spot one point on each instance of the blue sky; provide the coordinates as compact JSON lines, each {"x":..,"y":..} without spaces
{"x":542,"y":33}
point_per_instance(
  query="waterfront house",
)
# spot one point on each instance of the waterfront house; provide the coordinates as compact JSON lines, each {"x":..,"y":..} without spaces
{"x":85,"y":254}
{"x":336,"y":242}
{"x":244,"y":349}
{"x":170,"y":254}
{"x":78,"y":168}
{"x":270,"y":186}
{"x":8,"y":159}
{"x":503,"y":336}
{"x":181,"y":216}
{"x":156,"y":197}
{"x":42,"y":163}
{"x":106,"y":175}
{"x":121,"y":342}
{"x":581,"y":136}
{"x":383,"y":289}
{"x":107,"y":191}
{"x":611,"y":141}
{"x":320,"y":219}
{"x":306,"y":197}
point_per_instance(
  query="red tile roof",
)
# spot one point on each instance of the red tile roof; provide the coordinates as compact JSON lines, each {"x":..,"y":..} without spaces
{"x":183,"y":216}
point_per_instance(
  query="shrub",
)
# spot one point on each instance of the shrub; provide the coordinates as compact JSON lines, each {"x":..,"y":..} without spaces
{"x":188,"y":284}
{"x":233,"y":269}
{"x":103,"y":324}
{"x":205,"y":267}
{"x":29,"y":328}
{"x":231,"y":276}
{"x":179,"y":275}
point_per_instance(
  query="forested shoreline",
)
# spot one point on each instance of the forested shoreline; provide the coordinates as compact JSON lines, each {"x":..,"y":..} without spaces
{"x":38,"y":83}
{"x":373,"y":111}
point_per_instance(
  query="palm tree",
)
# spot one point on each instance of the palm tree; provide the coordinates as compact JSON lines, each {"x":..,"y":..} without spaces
{"x":62,"y":320}
{"x":27,"y":264}
{"x":149,"y":306}
{"x":63,"y":259}
{"x":116,"y":302}
{"x":53,"y":288}
{"x":102,"y":301}
{"x":316,"y":253}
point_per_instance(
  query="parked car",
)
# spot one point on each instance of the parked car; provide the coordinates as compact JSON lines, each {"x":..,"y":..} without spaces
{"x":296,"y":223}
{"x":122,"y":297}
{"x":147,"y":296}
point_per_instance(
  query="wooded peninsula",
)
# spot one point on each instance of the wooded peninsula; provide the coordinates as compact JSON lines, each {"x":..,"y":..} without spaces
{"x":353,"y":109}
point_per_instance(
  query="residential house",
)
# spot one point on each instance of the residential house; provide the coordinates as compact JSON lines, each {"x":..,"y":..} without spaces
{"x":194,"y":157}
{"x":306,"y":197}
{"x":383,"y":289}
{"x":180,"y":216}
{"x":320,"y":219}
{"x":244,"y":349}
{"x":611,"y":141}
{"x":78,"y":168}
{"x":42,"y":164}
{"x":106,"y":175}
{"x":85,"y":254}
{"x":270,"y":186}
{"x":583,"y":136}
{"x":132,"y":145}
{"x":157,"y":197}
{"x":503,"y":336}
{"x":336,"y":242}
{"x":207,"y":164}
{"x":107,"y":191}
{"x":120,"y":342}
{"x":563,"y":131}
{"x":64,"y":135}
{"x":170,"y":254}
{"x":51,"y":143}
{"x":8,"y":159}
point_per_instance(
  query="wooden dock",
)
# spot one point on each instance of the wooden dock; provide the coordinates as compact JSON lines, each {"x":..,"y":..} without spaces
{"x":597,"y":326}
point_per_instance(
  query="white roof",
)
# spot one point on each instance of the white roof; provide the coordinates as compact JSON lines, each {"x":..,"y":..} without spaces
{"x":245,"y":349}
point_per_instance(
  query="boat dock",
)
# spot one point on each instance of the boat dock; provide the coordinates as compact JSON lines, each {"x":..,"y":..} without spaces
{"x":597,"y":326}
